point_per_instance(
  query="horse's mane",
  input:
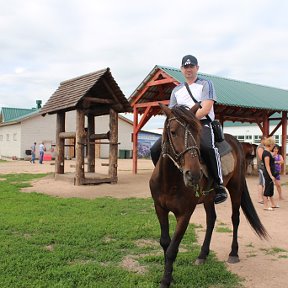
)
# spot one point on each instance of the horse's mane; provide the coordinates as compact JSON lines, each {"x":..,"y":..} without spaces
{"x":182,"y":113}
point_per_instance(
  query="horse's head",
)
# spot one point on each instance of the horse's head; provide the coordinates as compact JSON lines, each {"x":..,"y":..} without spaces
{"x":181,"y":142}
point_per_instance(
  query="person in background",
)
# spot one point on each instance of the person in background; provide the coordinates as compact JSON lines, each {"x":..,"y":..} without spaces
{"x":260,"y":167}
{"x":41,"y":152}
{"x":278,"y":162}
{"x":269,"y":174}
{"x":33,"y":153}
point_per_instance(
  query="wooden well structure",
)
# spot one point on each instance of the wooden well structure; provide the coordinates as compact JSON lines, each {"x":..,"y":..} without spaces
{"x":91,"y":95}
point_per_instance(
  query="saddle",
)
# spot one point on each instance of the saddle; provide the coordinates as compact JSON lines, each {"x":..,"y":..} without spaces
{"x":227,"y":159}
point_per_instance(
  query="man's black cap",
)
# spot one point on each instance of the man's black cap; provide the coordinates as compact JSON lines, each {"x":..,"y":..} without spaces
{"x":189,"y":60}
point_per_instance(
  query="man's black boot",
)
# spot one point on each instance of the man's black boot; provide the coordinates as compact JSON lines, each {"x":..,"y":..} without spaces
{"x":220,"y":194}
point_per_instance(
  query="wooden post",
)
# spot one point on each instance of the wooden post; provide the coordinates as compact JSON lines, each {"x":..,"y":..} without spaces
{"x":80,"y":137}
{"x":60,"y":127}
{"x":90,"y":145}
{"x":135,"y":141}
{"x":113,"y":155}
{"x":266,"y":126}
{"x":284,"y":140}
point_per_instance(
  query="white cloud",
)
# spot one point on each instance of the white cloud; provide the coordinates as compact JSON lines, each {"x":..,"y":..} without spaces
{"x":45,"y":42}
{"x":19,"y":70}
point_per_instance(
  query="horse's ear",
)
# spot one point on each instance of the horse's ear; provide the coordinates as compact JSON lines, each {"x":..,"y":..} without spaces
{"x":165,"y":109}
{"x":195,"y":108}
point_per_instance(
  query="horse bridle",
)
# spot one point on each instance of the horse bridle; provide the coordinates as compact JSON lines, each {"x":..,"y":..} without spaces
{"x":177,"y":157}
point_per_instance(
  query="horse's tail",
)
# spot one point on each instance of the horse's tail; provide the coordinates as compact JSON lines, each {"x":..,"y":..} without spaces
{"x":251,"y":214}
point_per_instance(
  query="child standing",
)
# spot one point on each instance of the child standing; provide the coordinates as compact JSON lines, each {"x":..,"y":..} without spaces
{"x":269,"y":172}
{"x":278,"y":162}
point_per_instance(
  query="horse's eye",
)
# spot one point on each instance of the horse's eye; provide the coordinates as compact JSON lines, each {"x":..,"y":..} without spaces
{"x":173,"y":133}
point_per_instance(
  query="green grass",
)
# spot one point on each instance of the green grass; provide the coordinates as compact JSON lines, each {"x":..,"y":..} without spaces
{"x":250,"y":245}
{"x":276,"y":251}
{"x":222,"y":228}
{"x":54,"y":242}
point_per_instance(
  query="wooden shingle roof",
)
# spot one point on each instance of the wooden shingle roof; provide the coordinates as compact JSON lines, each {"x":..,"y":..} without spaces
{"x":95,"y":92}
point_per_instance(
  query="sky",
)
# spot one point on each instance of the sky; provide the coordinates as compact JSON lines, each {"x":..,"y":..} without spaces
{"x":45,"y":42}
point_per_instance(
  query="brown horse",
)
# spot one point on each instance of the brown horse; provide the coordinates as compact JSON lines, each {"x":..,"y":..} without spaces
{"x":177,"y":184}
{"x":249,"y":153}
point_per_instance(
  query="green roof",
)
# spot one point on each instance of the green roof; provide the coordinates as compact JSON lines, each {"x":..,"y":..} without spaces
{"x":239,"y":93}
{"x":16,"y":114}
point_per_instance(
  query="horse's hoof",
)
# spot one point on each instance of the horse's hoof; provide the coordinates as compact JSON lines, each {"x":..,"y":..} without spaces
{"x":162,"y":285}
{"x":233,"y":259}
{"x":199,"y":261}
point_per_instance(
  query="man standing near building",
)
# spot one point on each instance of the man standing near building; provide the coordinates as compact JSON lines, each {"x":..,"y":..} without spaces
{"x":33,"y":153}
{"x":41,"y":152}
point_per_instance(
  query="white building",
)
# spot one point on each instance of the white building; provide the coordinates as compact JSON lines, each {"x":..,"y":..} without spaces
{"x":18,"y":135}
{"x":250,"y":133}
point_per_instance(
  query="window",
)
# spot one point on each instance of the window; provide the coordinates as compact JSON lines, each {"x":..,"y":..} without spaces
{"x":257,"y":139}
{"x":277,"y":139}
{"x":1,"y":137}
{"x":248,"y":137}
{"x":15,"y":137}
{"x":240,"y":138}
{"x":7,"y":137}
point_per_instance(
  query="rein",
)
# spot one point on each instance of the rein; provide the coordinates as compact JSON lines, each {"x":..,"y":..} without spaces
{"x":176,"y":157}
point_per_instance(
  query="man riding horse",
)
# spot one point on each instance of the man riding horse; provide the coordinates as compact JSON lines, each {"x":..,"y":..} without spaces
{"x":203,"y":91}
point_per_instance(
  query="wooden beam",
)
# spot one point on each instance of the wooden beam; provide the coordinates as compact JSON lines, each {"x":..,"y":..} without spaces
{"x":155,"y":103}
{"x":99,"y":180}
{"x":117,"y":107}
{"x":146,"y":114}
{"x":144,"y":118}
{"x":261,"y":127}
{"x":100,"y":136}
{"x":140,"y":95}
{"x":112,"y":92}
{"x":67,"y":135}
{"x":266,"y":126}
{"x":165,"y":78}
{"x":106,"y":142}
{"x":100,"y":110}
{"x":161,"y":82}
{"x":275,"y":129}
{"x":98,"y":100}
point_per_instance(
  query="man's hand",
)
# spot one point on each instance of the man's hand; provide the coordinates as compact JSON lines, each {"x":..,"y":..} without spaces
{"x":206,"y":106}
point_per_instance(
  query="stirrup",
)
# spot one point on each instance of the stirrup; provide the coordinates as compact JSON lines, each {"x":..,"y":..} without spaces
{"x":220,"y":194}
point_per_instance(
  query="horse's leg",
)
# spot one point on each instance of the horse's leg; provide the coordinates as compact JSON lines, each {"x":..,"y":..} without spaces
{"x":210,"y":223}
{"x":235,"y":199}
{"x":172,"y":251}
{"x":165,"y":239}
